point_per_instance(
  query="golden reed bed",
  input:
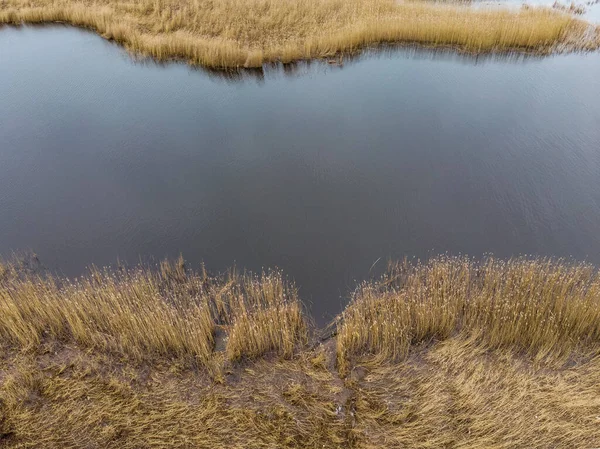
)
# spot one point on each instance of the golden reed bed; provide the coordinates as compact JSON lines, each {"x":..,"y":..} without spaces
{"x":452,"y":353}
{"x":248,"y":33}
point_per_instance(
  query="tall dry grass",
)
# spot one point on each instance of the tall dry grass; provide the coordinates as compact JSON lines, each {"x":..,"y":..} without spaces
{"x":541,"y":308}
{"x":141,"y":313}
{"x":442,"y":354}
{"x":267,"y":315}
{"x":235,"y":33}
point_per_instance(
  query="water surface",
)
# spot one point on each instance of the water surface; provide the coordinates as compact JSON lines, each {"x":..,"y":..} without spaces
{"x":590,"y":12}
{"x":318,"y":170}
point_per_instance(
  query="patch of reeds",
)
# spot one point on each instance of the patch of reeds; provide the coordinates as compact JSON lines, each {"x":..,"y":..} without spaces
{"x":542,"y":308}
{"x":142,"y":313}
{"x":236,"y":33}
{"x":266,"y":316}
{"x":442,"y":354}
{"x":454,"y":395}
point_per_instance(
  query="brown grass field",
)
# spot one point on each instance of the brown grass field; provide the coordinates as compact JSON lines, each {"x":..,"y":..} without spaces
{"x":453,"y":353}
{"x":248,"y":33}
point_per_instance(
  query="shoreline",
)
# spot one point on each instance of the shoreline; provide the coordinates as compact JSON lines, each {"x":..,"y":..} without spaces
{"x":538,"y":31}
{"x":451,"y":352}
{"x":235,"y":301}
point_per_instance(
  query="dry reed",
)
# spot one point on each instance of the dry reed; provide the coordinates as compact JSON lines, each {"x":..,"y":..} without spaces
{"x":453,"y":395}
{"x":267,"y":316}
{"x":452,"y":353}
{"x":235,"y":33}
{"x":146,"y":314}
{"x":542,"y":308}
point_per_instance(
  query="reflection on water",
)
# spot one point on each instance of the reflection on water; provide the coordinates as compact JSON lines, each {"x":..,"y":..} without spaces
{"x":310,"y":67}
{"x":590,"y":9}
{"x":316,"y":168}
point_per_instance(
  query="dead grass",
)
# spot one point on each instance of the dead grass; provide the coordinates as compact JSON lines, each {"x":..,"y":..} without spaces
{"x":453,"y":353}
{"x":77,"y":399}
{"x":145,"y":314}
{"x":450,"y":395}
{"x":544,"y":309}
{"x":235,"y":33}
{"x":262,"y":314}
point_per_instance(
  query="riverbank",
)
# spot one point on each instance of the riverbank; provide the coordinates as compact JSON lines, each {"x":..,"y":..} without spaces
{"x":453,"y":353}
{"x":248,"y":33}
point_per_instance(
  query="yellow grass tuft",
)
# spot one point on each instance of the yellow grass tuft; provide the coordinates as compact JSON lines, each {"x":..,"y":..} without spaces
{"x":268,"y":317}
{"x":236,"y":33}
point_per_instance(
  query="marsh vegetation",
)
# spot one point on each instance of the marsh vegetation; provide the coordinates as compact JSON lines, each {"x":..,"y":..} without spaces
{"x":450,"y":353}
{"x":235,"y":33}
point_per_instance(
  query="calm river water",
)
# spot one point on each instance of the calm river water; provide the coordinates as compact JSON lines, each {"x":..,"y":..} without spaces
{"x":318,"y":170}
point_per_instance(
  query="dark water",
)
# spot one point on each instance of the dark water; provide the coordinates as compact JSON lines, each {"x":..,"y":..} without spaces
{"x":320,"y":172}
